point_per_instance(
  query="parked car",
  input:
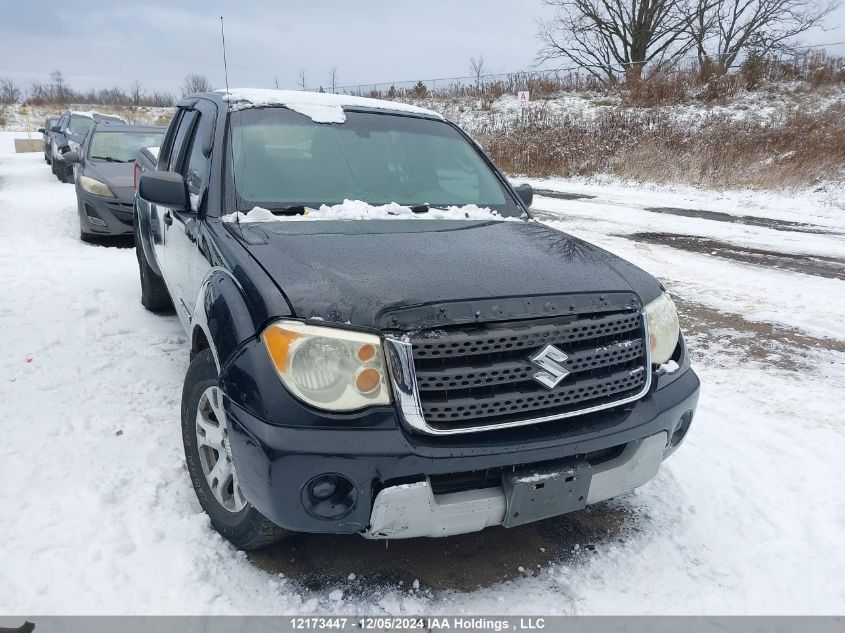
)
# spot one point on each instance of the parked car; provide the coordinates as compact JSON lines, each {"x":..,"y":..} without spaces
{"x":68,"y":135}
{"x":448,"y":366}
{"x":104,"y":176}
{"x":46,"y":135}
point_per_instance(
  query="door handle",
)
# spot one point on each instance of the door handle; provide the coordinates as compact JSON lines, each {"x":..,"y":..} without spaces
{"x":168,"y":219}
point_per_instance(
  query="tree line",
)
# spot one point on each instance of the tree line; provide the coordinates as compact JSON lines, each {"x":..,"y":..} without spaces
{"x":620,"y":40}
{"x":58,"y":91}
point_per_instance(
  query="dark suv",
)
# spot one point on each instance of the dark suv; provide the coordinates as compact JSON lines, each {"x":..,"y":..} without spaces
{"x":69,"y":133}
{"x":382,"y":340}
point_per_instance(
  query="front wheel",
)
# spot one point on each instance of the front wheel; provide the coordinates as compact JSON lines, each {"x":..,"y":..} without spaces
{"x":208,"y":453}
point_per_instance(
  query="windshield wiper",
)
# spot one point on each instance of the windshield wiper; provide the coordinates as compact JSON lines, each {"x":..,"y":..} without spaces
{"x":424,"y":208}
{"x":294,"y":209}
{"x":109,"y":159}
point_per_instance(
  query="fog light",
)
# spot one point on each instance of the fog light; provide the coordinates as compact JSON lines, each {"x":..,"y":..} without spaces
{"x":96,"y":221}
{"x":681,"y":428}
{"x":329,"y":496}
{"x":324,"y":487}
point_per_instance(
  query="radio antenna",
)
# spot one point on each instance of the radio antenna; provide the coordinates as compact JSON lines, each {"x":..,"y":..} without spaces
{"x":228,"y":109}
{"x":225,"y":65}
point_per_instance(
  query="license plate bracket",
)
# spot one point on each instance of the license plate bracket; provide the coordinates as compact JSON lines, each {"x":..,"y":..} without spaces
{"x":540,"y":492}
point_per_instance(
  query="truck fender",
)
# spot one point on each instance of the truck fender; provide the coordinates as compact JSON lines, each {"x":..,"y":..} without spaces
{"x":147,"y":232}
{"x":221,"y":320}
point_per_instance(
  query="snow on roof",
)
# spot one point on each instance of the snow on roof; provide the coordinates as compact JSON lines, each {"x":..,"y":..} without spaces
{"x":153,"y":151}
{"x":319,"y":107}
{"x":92,"y":113}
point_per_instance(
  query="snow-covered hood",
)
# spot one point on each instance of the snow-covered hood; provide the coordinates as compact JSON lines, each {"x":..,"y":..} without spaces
{"x":355,"y":270}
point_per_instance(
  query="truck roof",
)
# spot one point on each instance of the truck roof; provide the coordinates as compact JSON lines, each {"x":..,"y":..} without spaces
{"x":320,"y":107}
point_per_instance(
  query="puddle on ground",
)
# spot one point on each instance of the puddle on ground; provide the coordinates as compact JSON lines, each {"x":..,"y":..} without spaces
{"x":562,"y":195}
{"x":817,"y":265}
{"x":749,"y":220}
{"x":728,"y":339}
{"x":462,"y":563}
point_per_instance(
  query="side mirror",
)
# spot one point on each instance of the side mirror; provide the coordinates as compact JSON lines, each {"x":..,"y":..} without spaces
{"x":56,"y":128}
{"x":166,"y":189}
{"x":41,"y":130}
{"x":525,"y":193}
{"x":71,"y":157}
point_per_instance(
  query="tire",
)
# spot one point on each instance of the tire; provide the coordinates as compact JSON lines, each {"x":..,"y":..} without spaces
{"x":203,"y":420}
{"x":154,"y":295}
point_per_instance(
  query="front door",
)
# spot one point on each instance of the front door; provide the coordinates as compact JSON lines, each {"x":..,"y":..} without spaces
{"x":178,"y":227}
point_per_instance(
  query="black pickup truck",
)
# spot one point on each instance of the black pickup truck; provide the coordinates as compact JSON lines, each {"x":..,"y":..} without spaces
{"x":382,"y":340}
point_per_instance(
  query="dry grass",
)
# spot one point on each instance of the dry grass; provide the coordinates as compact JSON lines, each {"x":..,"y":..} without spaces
{"x":799,"y":149}
{"x":692,"y":81}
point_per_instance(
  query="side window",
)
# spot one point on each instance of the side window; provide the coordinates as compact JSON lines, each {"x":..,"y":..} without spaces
{"x":195,"y":166}
{"x":167,"y":145}
{"x":177,"y":152}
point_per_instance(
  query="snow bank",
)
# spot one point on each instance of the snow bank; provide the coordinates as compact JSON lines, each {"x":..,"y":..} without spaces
{"x":319,"y":107}
{"x":358,"y":210}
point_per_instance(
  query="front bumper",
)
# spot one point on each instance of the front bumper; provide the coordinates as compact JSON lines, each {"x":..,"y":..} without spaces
{"x":103,"y":216}
{"x":375,"y":452}
{"x":410,"y":511}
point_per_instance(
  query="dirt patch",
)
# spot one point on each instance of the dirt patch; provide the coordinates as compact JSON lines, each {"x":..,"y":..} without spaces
{"x":463,"y":563}
{"x":749,"y":220}
{"x":817,"y":265}
{"x":562,"y":195}
{"x":727,"y":339}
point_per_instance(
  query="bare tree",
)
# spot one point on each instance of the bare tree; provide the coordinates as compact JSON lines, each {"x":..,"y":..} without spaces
{"x":276,"y":81}
{"x":333,"y":78}
{"x":610,"y":38}
{"x":9,"y":91}
{"x":136,"y":92}
{"x":725,"y":31}
{"x":301,"y":79}
{"x":59,"y":88}
{"x":195,"y":83}
{"x":476,"y":69}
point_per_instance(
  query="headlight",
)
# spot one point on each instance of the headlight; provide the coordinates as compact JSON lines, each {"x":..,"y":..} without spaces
{"x":328,"y":368}
{"x":95,"y":186}
{"x":663,"y":328}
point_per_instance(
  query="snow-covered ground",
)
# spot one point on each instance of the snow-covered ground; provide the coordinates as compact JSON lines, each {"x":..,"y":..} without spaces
{"x":98,"y":514}
{"x":21,"y":118}
{"x":763,"y":106}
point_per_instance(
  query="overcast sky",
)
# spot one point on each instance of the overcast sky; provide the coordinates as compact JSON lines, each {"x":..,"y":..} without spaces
{"x":103,"y":43}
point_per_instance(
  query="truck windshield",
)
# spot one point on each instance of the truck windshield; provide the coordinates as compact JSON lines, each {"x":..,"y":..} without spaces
{"x":283,"y":159}
{"x":120,"y":147}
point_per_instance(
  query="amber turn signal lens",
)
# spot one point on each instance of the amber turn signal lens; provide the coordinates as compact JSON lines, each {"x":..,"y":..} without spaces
{"x":278,"y":341}
{"x":367,"y":380}
{"x":366,"y":352}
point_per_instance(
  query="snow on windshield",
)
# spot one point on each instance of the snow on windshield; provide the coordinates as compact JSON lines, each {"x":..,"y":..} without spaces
{"x":358,"y":210}
{"x":319,"y":107}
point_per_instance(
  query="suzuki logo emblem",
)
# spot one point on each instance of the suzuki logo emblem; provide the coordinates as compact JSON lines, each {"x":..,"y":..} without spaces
{"x":549,"y":361}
